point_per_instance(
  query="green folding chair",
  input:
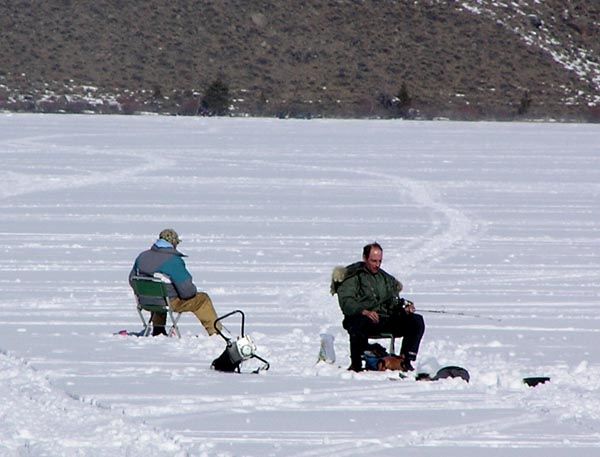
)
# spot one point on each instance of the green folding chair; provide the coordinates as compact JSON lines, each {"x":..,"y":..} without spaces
{"x":151,"y":295}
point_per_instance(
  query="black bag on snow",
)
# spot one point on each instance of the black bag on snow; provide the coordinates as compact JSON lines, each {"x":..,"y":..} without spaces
{"x":446,"y":372}
{"x":225,"y":363}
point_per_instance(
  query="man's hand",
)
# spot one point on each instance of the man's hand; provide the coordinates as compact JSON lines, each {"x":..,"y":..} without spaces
{"x":371,"y":315}
{"x":409,"y":307}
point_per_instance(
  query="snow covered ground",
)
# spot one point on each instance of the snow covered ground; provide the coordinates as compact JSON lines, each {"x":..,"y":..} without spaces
{"x":495,"y":224}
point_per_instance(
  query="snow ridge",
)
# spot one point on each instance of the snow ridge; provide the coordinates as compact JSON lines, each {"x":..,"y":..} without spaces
{"x":39,"y":419}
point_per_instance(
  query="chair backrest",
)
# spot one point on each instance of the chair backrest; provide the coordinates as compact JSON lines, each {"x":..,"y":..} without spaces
{"x":152,"y":295}
{"x":149,"y":287}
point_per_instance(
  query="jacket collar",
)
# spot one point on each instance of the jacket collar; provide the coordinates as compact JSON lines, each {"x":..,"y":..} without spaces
{"x":161,"y":245}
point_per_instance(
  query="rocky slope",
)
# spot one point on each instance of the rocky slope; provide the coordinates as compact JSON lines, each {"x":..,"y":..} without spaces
{"x":469,"y":59}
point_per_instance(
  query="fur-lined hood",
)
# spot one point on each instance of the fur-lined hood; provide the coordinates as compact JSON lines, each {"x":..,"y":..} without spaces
{"x":341,"y":273}
{"x":337,"y":277}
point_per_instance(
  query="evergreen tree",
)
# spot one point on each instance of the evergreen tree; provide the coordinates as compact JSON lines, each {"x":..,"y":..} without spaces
{"x":404,"y":99}
{"x":525,"y":104}
{"x":216,"y":100}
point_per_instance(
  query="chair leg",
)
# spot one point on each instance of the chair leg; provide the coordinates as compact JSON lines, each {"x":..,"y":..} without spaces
{"x":392,"y":345}
{"x":146,"y":330}
{"x":174,"y":320}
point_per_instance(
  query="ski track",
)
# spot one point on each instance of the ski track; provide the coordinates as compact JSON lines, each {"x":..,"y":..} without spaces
{"x":32,"y":406}
{"x":16,"y":184}
{"x":448,"y":233}
{"x":450,"y":230}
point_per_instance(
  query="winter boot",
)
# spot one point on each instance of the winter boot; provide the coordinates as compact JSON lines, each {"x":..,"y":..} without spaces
{"x":158,"y":330}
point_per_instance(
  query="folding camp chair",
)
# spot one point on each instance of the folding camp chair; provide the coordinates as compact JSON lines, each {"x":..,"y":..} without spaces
{"x":151,"y":295}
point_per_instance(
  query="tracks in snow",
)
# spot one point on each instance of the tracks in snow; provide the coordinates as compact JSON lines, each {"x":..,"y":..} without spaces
{"x":39,"y":419}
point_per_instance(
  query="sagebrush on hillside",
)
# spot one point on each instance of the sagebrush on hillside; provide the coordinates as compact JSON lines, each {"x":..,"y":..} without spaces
{"x":469,"y":59}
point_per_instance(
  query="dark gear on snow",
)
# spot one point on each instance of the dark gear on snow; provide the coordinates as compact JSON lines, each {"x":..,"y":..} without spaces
{"x":534,"y":381}
{"x":378,"y":359}
{"x":445,"y":372}
{"x":238,"y":350}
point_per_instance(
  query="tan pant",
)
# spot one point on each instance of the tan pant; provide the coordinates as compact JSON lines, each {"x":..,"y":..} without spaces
{"x":200,"y":304}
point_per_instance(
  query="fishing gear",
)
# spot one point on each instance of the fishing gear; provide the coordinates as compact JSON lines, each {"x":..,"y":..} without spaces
{"x":459,"y":313}
{"x":236,"y":351}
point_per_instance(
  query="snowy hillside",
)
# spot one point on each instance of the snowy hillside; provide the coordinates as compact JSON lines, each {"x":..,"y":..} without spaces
{"x":559,"y":33}
{"x":493,"y":229}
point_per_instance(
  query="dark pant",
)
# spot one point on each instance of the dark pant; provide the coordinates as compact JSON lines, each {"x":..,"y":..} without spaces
{"x":408,"y":326}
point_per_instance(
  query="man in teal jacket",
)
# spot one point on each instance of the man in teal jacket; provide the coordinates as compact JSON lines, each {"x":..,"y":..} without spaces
{"x":368,"y":297}
{"x":164,"y":258}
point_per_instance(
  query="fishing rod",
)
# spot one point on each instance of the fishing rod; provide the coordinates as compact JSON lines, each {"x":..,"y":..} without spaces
{"x":458,"y":313}
{"x":451,"y":313}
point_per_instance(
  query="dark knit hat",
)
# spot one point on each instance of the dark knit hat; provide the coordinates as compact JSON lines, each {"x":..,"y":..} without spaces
{"x":170,"y":236}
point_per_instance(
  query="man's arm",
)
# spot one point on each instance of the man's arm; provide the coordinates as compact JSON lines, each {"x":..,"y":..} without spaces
{"x":180,"y":277}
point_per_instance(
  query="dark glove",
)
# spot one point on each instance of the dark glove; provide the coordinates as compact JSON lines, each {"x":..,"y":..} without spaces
{"x":407,"y":306}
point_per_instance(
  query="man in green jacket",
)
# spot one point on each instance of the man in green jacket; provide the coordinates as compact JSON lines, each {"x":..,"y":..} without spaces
{"x":368,"y":297}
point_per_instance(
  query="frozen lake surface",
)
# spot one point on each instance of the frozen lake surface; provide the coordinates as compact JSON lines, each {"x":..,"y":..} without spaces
{"x":494,"y":226}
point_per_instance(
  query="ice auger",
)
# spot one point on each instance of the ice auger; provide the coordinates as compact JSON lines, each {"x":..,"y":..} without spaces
{"x":237,"y":351}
